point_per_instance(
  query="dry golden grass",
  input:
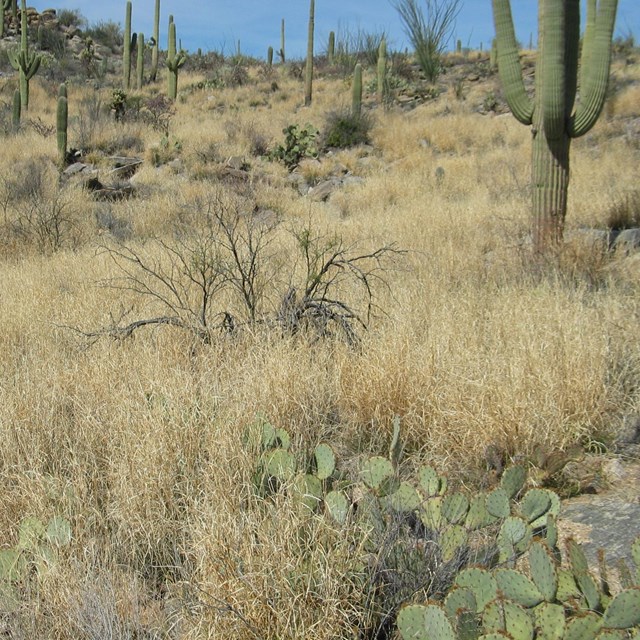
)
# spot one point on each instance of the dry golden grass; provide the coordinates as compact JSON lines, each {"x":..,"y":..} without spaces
{"x":138,"y":443}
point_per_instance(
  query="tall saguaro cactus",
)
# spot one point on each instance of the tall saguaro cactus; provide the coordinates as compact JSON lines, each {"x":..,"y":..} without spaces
{"x":24,"y":61}
{"x":382,"y":70}
{"x":156,"y":42}
{"x":281,"y":52}
{"x":62,"y":116}
{"x":308,"y":76}
{"x":140,"y":62}
{"x":174,"y":61}
{"x":356,"y":92}
{"x":126,"y":52}
{"x":569,"y":96}
{"x":5,"y":5}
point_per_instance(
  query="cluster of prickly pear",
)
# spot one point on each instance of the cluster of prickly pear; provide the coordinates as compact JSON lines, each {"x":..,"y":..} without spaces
{"x":309,"y":484}
{"x":24,"y":61}
{"x":37,"y":550}
{"x":551,"y":602}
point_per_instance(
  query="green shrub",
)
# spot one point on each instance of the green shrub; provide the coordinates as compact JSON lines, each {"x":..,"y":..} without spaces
{"x":344,"y":129}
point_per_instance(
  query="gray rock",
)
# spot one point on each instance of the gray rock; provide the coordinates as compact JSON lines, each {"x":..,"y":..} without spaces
{"x":323,"y":191}
{"x":76,"y":167}
{"x":627,"y":241}
{"x":352,"y":180}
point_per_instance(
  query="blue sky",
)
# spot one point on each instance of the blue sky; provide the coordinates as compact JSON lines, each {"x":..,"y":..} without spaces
{"x":218,"y":24}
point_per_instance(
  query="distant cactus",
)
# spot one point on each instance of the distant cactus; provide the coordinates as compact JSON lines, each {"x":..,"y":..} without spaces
{"x":459,"y":46}
{"x":331,"y":47}
{"x":555,"y":112}
{"x":5,"y":5}
{"x":382,"y":70}
{"x":308,"y":76}
{"x":356,"y":92}
{"x":126,"y":52}
{"x":140,"y":62}
{"x":493,"y":55}
{"x":27,"y":63}
{"x":174,"y":61}
{"x":270,"y":57}
{"x":62,"y":115}
{"x":156,"y":42}
{"x":281,"y":52}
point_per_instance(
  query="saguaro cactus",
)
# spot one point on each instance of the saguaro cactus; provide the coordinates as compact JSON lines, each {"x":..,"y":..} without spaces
{"x":140,"y":62}
{"x":331,"y":47}
{"x":17,"y":108}
{"x":356,"y":92}
{"x":554,"y":113}
{"x":156,"y":42}
{"x":5,"y":5}
{"x":281,"y":52}
{"x":174,"y":61}
{"x":27,"y":63}
{"x":126,"y":52}
{"x":308,"y":76}
{"x":270,"y":57}
{"x":61,"y":123}
{"x":382,"y":70}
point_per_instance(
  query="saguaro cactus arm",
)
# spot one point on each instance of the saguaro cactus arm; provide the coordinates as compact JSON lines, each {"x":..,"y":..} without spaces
{"x":509,"y":63}
{"x":596,"y":60}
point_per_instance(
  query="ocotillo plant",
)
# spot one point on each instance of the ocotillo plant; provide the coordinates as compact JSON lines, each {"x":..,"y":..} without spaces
{"x":382,"y":70}
{"x":554,"y":113}
{"x":281,"y":52}
{"x":126,"y":51}
{"x":140,"y":62}
{"x":308,"y":76}
{"x":27,"y":63}
{"x":356,"y":92}
{"x":331,"y":47}
{"x":156,"y":42}
{"x":174,"y":61}
{"x":61,"y":123}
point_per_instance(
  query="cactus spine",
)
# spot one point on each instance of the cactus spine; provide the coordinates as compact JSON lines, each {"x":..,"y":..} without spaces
{"x":23,"y":61}
{"x":554,"y":113}
{"x":126,"y":52}
{"x":331,"y":47}
{"x":62,"y":116}
{"x":382,"y":70}
{"x":156,"y":42}
{"x":140,"y":62}
{"x":174,"y":61}
{"x":356,"y":95}
{"x":308,"y":76}
{"x":281,"y":52}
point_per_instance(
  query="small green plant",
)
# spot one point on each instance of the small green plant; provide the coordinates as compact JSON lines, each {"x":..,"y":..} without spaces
{"x":35,"y":553}
{"x":299,"y":143}
{"x":118,"y":104}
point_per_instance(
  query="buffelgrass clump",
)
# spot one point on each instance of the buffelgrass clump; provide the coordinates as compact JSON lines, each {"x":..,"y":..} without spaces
{"x":625,"y":212}
{"x":345,"y":129}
